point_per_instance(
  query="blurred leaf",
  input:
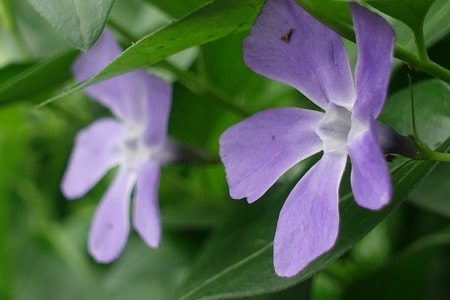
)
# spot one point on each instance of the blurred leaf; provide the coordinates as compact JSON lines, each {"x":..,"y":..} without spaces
{"x":6,"y":13}
{"x":433,"y":194}
{"x":412,"y":13}
{"x":80,"y":21}
{"x":13,"y":140}
{"x":406,"y":275}
{"x":237,"y":261}
{"x":435,"y":26}
{"x":211,"y":22}
{"x":432,"y":106}
{"x":178,"y":8}
{"x":25,"y":81}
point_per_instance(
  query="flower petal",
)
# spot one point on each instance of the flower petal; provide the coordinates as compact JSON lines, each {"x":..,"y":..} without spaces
{"x":258,"y":150}
{"x":159,"y":97}
{"x":375,"y":41}
{"x":146,"y":218}
{"x":370,"y":178}
{"x":289,"y":45}
{"x":125,"y":94}
{"x":110,"y":227}
{"x":309,"y":220}
{"x":94,"y":153}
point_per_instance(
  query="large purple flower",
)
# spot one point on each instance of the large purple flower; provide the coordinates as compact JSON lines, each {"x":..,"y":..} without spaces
{"x":136,"y":141}
{"x":287,"y":44}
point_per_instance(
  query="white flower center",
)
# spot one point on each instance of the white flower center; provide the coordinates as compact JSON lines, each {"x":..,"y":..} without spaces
{"x":334,"y":128}
{"x":132,"y":147}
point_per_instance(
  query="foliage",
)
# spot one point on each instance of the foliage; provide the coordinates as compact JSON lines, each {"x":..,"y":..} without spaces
{"x":213,"y":247}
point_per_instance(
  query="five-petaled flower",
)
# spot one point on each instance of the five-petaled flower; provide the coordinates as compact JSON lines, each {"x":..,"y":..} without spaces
{"x":135,"y":141}
{"x":258,"y":150}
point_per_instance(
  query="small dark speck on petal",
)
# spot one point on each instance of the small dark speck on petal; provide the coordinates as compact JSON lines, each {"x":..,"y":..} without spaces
{"x":110,"y":226}
{"x":272,"y":137}
{"x":287,"y":35}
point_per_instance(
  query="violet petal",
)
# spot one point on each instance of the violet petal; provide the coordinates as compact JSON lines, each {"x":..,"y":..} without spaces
{"x":122,"y":94}
{"x":309,"y":220}
{"x":289,"y":45}
{"x":146,"y":218}
{"x":370,"y":178}
{"x":375,"y":42}
{"x":258,"y":150}
{"x":94,"y":153}
{"x":159,"y":97}
{"x":110,"y":226}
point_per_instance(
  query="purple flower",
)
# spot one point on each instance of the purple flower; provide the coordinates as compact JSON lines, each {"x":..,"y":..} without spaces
{"x":135,"y":141}
{"x":289,"y":45}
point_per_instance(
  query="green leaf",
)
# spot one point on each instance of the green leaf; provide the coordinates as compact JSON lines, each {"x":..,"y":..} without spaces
{"x":432,"y":106}
{"x":26,"y":81}
{"x":6,"y":13}
{"x":412,"y":13}
{"x":237,"y":261}
{"x":410,"y":274}
{"x":80,"y":21}
{"x":178,"y":8}
{"x":211,"y":22}
{"x":334,"y":14}
{"x":432,"y":195}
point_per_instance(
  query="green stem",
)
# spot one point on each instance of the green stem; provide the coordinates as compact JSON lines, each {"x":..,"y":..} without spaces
{"x":439,"y":156}
{"x":436,"y":70}
{"x":420,"y":44}
{"x":413,"y":111}
{"x":427,"y":66}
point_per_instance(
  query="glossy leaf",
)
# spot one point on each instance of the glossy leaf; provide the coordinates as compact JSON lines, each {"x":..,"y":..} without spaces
{"x":214,"y":21}
{"x":238,"y":262}
{"x":412,"y":13}
{"x":334,"y":14}
{"x":178,"y":8}
{"x":432,"y":107}
{"x":80,"y":21}
{"x":26,"y":81}
{"x":211,"y":22}
{"x":432,"y":195}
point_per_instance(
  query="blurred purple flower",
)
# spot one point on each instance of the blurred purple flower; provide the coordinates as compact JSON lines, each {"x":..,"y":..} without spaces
{"x":135,"y":141}
{"x":287,"y":44}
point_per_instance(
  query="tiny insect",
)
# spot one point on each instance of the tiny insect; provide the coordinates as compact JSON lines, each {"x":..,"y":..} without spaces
{"x":287,"y":36}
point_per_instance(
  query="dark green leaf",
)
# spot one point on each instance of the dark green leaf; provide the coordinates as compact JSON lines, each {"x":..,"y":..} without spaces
{"x":433,"y":194}
{"x":432,"y":103}
{"x":80,"y":21}
{"x":334,"y":14}
{"x":407,"y":275}
{"x":412,"y":13}
{"x":237,"y":261}
{"x":211,"y":22}
{"x":178,"y":8}
{"x":25,"y":81}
